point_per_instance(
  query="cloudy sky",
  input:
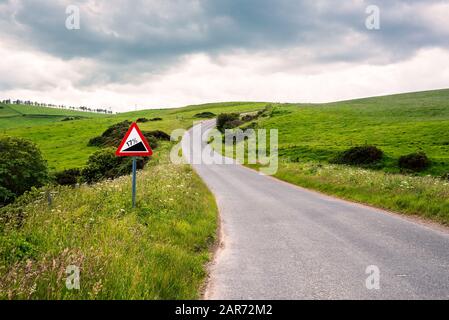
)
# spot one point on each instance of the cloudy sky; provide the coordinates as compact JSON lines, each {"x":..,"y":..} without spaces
{"x":165,"y":53}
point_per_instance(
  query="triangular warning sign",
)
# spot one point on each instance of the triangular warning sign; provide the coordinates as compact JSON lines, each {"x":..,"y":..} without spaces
{"x":134,"y":144}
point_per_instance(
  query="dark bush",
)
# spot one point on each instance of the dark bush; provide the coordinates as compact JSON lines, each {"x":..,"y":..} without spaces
{"x":445,"y":176}
{"x":226,"y":120}
{"x":68,"y":177}
{"x":156,"y":119}
{"x":104,"y":164}
{"x":233,"y":124}
{"x":249,"y":117}
{"x":158,"y":134}
{"x":416,"y":162}
{"x":21,"y":168}
{"x":205,"y":115}
{"x":115,"y":133}
{"x":96,"y":142}
{"x":112,"y":136}
{"x":142,"y":120}
{"x":361,"y":155}
{"x":70,"y":118}
{"x":152,"y":141}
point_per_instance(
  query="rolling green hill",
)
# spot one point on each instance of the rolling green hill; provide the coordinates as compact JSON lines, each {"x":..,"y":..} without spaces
{"x":160,"y":248}
{"x":64,"y":143}
{"x":15,"y":116}
{"x":398,"y":124}
{"x":310,"y":136}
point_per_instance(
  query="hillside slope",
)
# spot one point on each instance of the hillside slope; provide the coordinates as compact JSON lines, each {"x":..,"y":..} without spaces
{"x":15,"y":116}
{"x":64,"y":143}
{"x":311,"y":136}
{"x":398,"y":124}
{"x":165,"y":241}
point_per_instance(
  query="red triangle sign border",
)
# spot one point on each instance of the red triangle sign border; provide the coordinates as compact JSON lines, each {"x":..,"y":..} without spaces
{"x":147,"y":153}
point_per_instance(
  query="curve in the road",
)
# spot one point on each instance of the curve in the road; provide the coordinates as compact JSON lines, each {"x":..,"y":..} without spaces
{"x":284,"y":242}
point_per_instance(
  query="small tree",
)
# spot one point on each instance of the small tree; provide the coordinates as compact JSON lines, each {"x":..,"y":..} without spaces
{"x":227,"y":121}
{"x":360,"y":155}
{"x":21,"y":168}
{"x":104,"y":164}
{"x":68,"y":177}
{"x":416,"y":162}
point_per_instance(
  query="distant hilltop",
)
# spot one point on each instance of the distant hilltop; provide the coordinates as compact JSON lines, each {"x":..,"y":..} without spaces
{"x":49,"y":105}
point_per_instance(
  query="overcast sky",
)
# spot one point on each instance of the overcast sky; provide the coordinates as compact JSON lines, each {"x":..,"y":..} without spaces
{"x":165,"y":53}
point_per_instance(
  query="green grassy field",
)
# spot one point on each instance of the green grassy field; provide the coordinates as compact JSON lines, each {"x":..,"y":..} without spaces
{"x":310,"y":136}
{"x":64,"y":144}
{"x":398,"y":124}
{"x":159,"y":250}
{"x":15,"y":116}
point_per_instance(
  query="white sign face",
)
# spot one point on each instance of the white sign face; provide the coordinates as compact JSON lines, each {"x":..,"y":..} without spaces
{"x":134,"y":144}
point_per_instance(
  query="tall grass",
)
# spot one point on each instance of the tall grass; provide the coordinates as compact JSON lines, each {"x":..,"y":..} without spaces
{"x":421,"y":196}
{"x":156,"y":251}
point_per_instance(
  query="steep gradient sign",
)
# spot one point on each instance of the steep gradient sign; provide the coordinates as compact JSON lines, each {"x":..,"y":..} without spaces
{"x":134,"y":144}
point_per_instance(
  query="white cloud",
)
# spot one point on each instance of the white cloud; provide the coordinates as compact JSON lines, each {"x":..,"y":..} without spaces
{"x":435,"y":16}
{"x":162,"y":53}
{"x":238,"y":77}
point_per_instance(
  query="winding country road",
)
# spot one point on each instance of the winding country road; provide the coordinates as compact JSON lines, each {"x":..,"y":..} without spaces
{"x":280,"y":241}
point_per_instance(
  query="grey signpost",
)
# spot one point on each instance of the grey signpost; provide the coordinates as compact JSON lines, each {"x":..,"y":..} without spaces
{"x":134,"y":180}
{"x":134,"y":145}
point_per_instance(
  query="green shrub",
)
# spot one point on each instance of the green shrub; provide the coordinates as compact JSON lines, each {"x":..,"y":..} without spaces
{"x":205,"y":115}
{"x":96,"y":142}
{"x":152,"y":141}
{"x":104,"y":164}
{"x":21,"y":168}
{"x":156,"y":119}
{"x":249,"y":117}
{"x":227,"y":121}
{"x":142,"y":120}
{"x":14,"y":214}
{"x":70,"y":118}
{"x":157,"y":134}
{"x":115,"y":134}
{"x":15,"y":247}
{"x":360,"y":155}
{"x":233,"y":124}
{"x":68,"y":177}
{"x":112,"y":136}
{"x":415,"y":162}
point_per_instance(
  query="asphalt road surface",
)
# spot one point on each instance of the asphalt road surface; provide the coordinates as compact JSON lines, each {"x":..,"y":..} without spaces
{"x":279,"y":241}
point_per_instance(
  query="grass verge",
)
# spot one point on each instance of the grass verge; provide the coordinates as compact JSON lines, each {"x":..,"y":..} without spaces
{"x":426,"y":197}
{"x":156,"y":251}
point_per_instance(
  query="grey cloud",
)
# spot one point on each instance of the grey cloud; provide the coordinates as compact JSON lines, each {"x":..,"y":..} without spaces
{"x":126,"y":37}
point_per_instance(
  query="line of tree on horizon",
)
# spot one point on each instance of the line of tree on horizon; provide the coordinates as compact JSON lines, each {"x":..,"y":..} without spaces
{"x":50,"y":105}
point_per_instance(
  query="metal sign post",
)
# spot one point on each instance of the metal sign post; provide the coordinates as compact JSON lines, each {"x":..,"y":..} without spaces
{"x":134,"y":180}
{"x":134,"y":144}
